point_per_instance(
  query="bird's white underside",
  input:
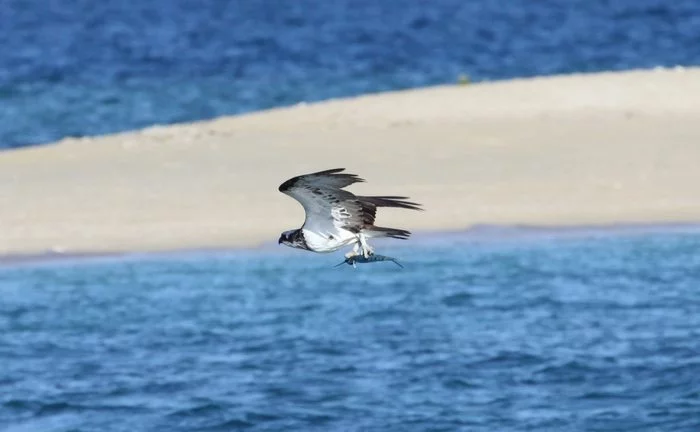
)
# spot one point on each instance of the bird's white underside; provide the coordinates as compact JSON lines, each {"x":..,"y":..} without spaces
{"x":323,"y":226}
{"x":325,"y":241}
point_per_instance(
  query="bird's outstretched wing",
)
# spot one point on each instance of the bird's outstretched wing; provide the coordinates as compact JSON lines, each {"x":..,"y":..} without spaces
{"x":326,"y":204}
{"x":329,"y":207}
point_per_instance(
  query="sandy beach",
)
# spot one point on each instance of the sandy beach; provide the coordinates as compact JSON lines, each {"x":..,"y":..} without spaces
{"x":565,"y":151}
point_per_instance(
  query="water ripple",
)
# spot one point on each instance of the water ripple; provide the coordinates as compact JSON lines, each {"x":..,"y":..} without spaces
{"x":572,"y":335}
{"x":80,"y":67}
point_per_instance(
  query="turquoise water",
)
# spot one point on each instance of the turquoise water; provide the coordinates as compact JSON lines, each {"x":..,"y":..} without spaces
{"x":513,"y":333}
{"x":86,"y":67}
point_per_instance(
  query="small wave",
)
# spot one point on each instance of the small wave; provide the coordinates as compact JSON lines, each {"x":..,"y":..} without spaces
{"x":230,"y":425}
{"x":569,"y":372}
{"x":39,"y":408}
{"x":603,"y":395}
{"x":384,"y":314}
{"x":21,"y":404}
{"x":458,"y":299}
{"x":245,"y":421}
{"x":341,"y":370}
{"x":459,"y":383}
{"x":203,"y":409}
{"x":505,"y":359}
{"x":57,"y":408}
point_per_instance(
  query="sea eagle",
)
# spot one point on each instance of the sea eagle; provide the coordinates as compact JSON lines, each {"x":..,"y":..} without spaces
{"x":336,"y":217}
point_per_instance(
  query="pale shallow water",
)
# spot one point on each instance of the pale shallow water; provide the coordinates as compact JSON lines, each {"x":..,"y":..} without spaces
{"x":554,"y":333}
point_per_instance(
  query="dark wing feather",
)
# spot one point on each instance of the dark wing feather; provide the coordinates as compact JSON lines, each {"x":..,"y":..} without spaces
{"x":366,"y":209}
{"x":390,"y":201}
{"x":328,"y":179}
{"x":325,"y":203}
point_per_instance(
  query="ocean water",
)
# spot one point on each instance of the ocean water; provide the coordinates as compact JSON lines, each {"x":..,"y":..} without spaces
{"x":85,"y":67}
{"x":546,"y":333}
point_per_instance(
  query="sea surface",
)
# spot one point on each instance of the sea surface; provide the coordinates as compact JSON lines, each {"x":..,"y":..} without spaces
{"x":86,"y":67}
{"x":509,"y":333}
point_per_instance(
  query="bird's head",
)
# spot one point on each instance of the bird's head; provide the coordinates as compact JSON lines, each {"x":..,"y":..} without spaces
{"x":292,"y":238}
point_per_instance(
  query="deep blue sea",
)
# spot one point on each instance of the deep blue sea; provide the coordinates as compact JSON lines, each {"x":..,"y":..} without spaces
{"x":546,"y":333}
{"x":86,"y":67}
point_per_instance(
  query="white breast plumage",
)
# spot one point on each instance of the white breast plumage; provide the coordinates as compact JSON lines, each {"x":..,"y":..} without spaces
{"x":327,"y":242}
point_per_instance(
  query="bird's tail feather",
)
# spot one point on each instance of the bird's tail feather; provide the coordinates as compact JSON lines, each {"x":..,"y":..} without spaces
{"x":375,"y":231}
{"x":391,"y":201}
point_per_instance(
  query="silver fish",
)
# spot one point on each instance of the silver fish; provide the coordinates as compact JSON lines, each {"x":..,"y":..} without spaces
{"x":372,"y":258}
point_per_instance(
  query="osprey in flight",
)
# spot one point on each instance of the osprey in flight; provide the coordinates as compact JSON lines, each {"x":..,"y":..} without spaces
{"x":336,"y":217}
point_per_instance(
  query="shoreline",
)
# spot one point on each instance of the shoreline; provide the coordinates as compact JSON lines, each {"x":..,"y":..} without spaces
{"x":568,"y":150}
{"x":477,"y":235}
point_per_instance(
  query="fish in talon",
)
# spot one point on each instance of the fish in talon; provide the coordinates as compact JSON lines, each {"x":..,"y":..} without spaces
{"x":352,"y":260}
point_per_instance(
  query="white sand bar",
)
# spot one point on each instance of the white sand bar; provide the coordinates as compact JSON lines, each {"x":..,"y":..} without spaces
{"x":571,"y":150}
